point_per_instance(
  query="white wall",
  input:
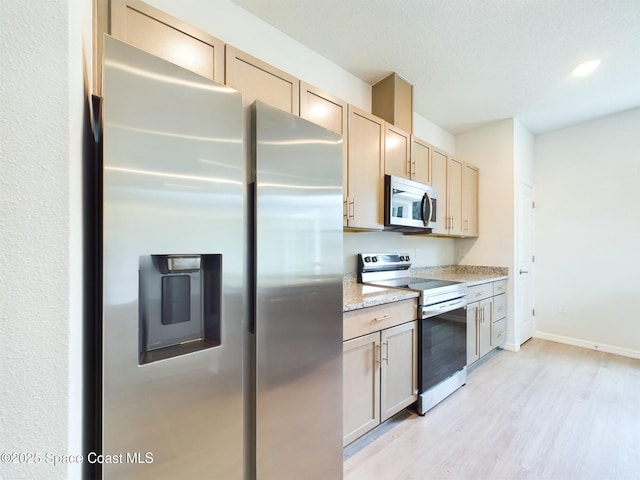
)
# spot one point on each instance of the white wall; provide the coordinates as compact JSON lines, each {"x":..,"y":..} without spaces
{"x":491,"y":148}
{"x":523,"y":149}
{"x":430,"y":132}
{"x":41,"y":113}
{"x":588,"y":233}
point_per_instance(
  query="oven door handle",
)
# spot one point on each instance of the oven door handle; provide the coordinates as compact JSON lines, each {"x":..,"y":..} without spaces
{"x":433,"y":310}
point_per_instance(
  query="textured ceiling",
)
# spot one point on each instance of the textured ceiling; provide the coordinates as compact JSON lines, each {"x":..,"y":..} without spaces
{"x":473,"y":62}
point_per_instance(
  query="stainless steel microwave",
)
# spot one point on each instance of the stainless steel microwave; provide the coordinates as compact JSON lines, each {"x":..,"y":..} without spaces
{"x":409,"y":206}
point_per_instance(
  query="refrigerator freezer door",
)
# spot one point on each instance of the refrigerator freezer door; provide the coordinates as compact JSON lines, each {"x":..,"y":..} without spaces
{"x":298,"y":309}
{"x":173,"y":188}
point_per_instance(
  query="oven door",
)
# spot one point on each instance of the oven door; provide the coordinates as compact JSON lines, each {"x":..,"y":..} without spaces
{"x":443,"y":343}
{"x":408,"y":205}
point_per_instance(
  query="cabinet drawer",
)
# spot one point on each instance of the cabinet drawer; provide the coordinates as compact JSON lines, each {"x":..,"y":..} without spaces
{"x":372,"y":319}
{"x":499,"y":287}
{"x":479,"y":292}
{"x":499,"y":307}
{"x":499,"y":332}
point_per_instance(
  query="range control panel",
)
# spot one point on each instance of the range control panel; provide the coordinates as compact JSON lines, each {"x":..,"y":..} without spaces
{"x":373,"y":262}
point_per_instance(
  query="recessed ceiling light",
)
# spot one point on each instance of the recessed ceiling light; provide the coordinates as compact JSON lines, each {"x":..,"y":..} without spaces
{"x":585,"y":68}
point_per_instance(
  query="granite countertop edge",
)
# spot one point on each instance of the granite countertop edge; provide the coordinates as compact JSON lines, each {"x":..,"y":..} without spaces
{"x":357,"y":296}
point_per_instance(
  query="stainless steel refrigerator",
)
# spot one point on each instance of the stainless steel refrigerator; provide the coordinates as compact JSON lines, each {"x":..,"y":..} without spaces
{"x":173,"y":272}
{"x":296,"y":188}
{"x":221,"y":282}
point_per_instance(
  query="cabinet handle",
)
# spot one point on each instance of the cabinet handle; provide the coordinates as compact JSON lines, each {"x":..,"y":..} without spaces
{"x":377,"y":355}
{"x":413,"y":169}
{"x":386,"y":359}
{"x":501,"y":334}
{"x":384,"y":317}
{"x":466,"y":225}
{"x":352,"y":208}
{"x":523,"y":271}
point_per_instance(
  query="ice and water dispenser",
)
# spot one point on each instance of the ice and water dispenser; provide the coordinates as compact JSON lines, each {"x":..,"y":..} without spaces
{"x":179,"y":305}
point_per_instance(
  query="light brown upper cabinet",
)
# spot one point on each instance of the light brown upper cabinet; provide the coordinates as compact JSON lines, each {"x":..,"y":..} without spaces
{"x":455,"y":175}
{"x":322,"y":108}
{"x":439,"y":162}
{"x":446,"y":176}
{"x":160,"y":34}
{"x":397,"y":152}
{"x":258,"y":80}
{"x":420,"y":161}
{"x":365,"y":165}
{"x":392,"y":100}
{"x":327,"y":111}
{"x":471,"y":189}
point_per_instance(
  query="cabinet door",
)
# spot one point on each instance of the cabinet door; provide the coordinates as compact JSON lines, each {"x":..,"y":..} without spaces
{"x":455,"y":174}
{"x":399,"y":376}
{"x":471,"y":182}
{"x":485,"y":327}
{"x":160,"y":34}
{"x":397,"y":157}
{"x":473,"y":319}
{"x":322,"y":108}
{"x":329,"y":112}
{"x":365,"y":163}
{"x":499,"y":307}
{"x":258,"y":80}
{"x":499,"y":332}
{"x":420,"y":161}
{"x":361,"y":386}
{"x":439,"y":162}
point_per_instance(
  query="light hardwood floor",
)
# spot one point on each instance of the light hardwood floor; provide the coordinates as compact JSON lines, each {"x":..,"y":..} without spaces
{"x":550,"y":411}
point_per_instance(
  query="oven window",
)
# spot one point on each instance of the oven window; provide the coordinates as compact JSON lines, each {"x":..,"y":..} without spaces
{"x":443,"y":349}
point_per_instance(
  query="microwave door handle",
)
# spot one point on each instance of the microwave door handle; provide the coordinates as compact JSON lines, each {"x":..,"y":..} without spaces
{"x":426,"y":200}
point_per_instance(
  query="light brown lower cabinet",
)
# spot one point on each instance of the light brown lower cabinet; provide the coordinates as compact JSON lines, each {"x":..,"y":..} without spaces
{"x":398,"y":368}
{"x":361,"y":386}
{"x":486,"y":318}
{"x":379,"y":377}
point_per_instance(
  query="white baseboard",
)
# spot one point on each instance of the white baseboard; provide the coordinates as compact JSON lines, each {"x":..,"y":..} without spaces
{"x":601,"y":347}
{"x":512,"y":347}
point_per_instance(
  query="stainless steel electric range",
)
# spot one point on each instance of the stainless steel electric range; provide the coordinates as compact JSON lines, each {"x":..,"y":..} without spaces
{"x":442,"y":323}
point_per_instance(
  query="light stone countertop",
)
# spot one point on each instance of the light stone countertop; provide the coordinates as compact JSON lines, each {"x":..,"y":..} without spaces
{"x":357,"y":295}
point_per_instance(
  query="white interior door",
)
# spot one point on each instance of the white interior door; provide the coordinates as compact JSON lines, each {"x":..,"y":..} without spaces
{"x":525,"y":255}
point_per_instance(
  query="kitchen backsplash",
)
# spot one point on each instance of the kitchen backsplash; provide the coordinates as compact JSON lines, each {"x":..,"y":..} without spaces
{"x":424,"y":251}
